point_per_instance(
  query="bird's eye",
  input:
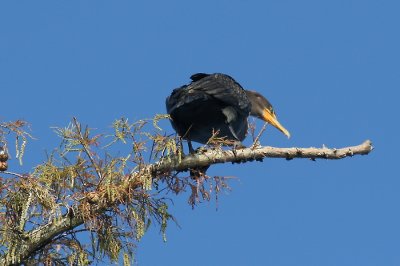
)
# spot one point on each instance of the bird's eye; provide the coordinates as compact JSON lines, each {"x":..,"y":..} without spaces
{"x":272,"y":110}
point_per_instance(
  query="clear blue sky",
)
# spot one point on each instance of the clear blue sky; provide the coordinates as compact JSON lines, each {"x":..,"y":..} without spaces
{"x":331,"y":69}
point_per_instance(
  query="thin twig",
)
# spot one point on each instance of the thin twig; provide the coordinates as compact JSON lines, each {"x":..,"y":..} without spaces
{"x":14,"y":174}
{"x":259,"y":135}
{"x":87,"y":150}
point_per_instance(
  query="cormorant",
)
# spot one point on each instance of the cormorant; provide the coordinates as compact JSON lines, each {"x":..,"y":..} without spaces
{"x":216,"y":103}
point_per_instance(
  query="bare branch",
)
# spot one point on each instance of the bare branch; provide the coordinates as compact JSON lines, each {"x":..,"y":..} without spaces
{"x":249,"y":154}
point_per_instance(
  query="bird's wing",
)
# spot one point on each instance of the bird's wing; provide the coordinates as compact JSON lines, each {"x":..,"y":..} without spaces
{"x":180,"y":97}
{"x":221,"y":87}
{"x":198,"y":76}
{"x":207,"y":86}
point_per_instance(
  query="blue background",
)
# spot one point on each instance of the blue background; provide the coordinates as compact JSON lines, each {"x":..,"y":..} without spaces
{"x":331,"y":69}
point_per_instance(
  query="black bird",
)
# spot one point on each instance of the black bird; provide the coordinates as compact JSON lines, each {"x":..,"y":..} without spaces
{"x":216,"y":103}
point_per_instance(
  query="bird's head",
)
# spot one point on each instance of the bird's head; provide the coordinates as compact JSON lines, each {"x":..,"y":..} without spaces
{"x":262,"y":109}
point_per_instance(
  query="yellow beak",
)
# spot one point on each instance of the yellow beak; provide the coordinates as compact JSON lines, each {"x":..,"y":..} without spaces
{"x":271,"y":118}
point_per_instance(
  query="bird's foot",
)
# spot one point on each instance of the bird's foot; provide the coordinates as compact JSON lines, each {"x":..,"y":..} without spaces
{"x":238,"y":145}
{"x":198,"y":172}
